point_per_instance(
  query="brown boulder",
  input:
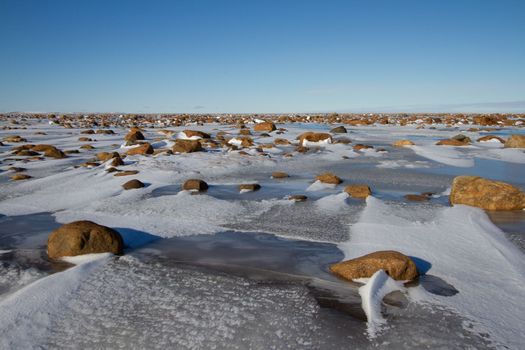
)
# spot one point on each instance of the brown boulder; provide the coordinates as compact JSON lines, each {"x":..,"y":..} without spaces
{"x":196,"y":133}
{"x":49,"y":151}
{"x":83,"y":237}
{"x":339,"y":130}
{"x":143,"y":148}
{"x":403,"y":143}
{"x":134,"y":135}
{"x":358,"y":191}
{"x":490,"y":138}
{"x":126,"y":173}
{"x":396,"y":265}
{"x":279,"y":141}
{"x":515,"y":141}
{"x":264,"y":127}
{"x":133,"y":184}
{"x":249,"y":187}
{"x":313,"y":137}
{"x":361,"y":146}
{"x":195,"y":185}
{"x":487,"y":194}
{"x":15,"y":138}
{"x":105,"y":156}
{"x":329,"y":178}
{"x":451,"y":142}
{"x":298,"y":198}
{"x":187,"y":146}
{"x":279,"y":175}
{"x":17,"y":177}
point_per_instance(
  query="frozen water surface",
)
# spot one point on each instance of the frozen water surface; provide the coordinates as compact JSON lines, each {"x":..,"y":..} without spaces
{"x":229,"y":270}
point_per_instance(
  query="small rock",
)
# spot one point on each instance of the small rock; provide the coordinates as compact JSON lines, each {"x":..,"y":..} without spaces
{"x":314,"y":137}
{"x":279,"y":175}
{"x":105,"y":156}
{"x":329,"y":178}
{"x":195,"y":185}
{"x":416,"y":197}
{"x":265,"y":127}
{"x":142,"y":149}
{"x":339,"y":130}
{"x":358,"y":191}
{"x":403,"y":143}
{"x":126,"y":173}
{"x":18,"y":176}
{"x":361,"y":146}
{"x":298,"y":198}
{"x":133,"y":184}
{"x":187,"y":146}
{"x":249,"y":187}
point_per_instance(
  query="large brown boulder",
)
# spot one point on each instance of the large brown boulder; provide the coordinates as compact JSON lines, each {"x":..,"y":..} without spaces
{"x":265,"y":127}
{"x":358,"y":191}
{"x":314,"y":137}
{"x":395,"y":264}
{"x":49,"y":151}
{"x":329,"y":178}
{"x":487,"y":194}
{"x":187,"y":146}
{"x":83,"y":237}
{"x":515,"y":141}
{"x":195,"y":185}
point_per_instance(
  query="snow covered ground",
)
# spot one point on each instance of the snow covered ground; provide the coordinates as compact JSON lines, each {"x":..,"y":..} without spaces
{"x":152,"y":297}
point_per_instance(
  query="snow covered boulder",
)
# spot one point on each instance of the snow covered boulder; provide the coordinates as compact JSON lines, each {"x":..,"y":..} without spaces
{"x":83,"y":237}
{"x":487,"y":194}
{"x":133,"y":184}
{"x":491,"y":138}
{"x":314,"y":138}
{"x":403,"y":143}
{"x":249,"y":188}
{"x":187,"y":146}
{"x":265,"y":127}
{"x":194,"y":135}
{"x":143,"y":149}
{"x":395,"y":264}
{"x":329,"y":178}
{"x":515,"y":141}
{"x":134,"y":135}
{"x":358,"y":191}
{"x":241,"y":141}
{"x":195,"y":185}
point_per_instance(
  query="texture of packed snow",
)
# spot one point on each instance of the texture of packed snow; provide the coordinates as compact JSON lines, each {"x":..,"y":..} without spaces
{"x":372,"y":294}
{"x":464,"y":249}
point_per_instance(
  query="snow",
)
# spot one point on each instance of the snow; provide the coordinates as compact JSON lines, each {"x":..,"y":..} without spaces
{"x":445,"y":154}
{"x":82,"y":259}
{"x":320,"y":186}
{"x":464,"y":249}
{"x":372,"y":294}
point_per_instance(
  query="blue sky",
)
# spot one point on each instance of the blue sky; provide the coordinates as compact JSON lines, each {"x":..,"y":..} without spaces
{"x":261,"y":56}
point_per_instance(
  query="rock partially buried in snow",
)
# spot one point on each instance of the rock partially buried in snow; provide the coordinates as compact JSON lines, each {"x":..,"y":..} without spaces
{"x":18,"y":177}
{"x":490,"y":138}
{"x":395,"y":264}
{"x":195,"y":185}
{"x":187,"y":146}
{"x":83,"y":237}
{"x":126,"y":173}
{"x":142,"y":149}
{"x":265,"y":127}
{"x":339,"y":130}
{"x":49,"y":151}
{"x":329,"y":178}
{"x":279,"y":175}
{"x":416,"y":197}
{"x":249,"y":187}
{"x":487,"y":194}
{"x":133,"y":184}
{"x":195,"y":134}
{"x":403,"y":143}
{"x":515,"y":141}
{"x":298,"y":198}
{"x":134,"y":135}
{"x":358,"y":191}
{"x":314,"y":138}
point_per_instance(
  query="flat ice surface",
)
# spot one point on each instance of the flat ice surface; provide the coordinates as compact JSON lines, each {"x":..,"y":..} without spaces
{"x":159,"y":302}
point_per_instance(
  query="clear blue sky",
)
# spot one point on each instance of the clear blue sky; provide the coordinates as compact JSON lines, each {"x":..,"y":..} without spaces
{"x":260,"y":56}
